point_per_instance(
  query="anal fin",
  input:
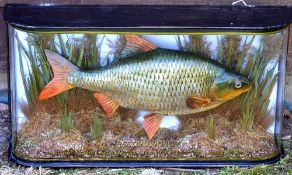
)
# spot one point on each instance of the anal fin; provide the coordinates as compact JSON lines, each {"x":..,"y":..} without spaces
{"x":151,"y":124}
{"x":108,"y":104}
{"x":195,"y":102}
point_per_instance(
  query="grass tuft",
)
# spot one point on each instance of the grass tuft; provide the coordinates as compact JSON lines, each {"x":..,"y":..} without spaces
{"x":210,"y":128}
{"x":66,"y":121}
{"x":254,"y":104}
{"x":284,"y":166}
{"x":229,"y":52}
{"x":96,"y":128}
{"x":247,"y":119}
{"x":194,"y":43}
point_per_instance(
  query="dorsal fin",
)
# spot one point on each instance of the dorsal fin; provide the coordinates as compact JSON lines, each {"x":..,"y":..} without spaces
{"x":136,"y":44}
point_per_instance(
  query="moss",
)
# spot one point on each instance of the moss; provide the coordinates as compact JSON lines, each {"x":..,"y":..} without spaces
{"x":284,"y":166}
{"x":233,"y":153}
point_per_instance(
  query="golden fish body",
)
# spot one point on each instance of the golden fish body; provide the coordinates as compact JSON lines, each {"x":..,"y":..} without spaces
{"x":159,"y":81}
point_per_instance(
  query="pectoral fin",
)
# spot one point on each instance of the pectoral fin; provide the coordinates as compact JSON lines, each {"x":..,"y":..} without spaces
{"x":108,"y":104}
{"x":151,"y":124}
{"x":195,"y":102}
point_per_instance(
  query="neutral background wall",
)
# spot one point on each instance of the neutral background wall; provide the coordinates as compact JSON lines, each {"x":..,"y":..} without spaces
{"x":3,"y":37}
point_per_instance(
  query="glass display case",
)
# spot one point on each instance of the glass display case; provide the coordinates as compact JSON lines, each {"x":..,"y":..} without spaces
{"x":138,"y":86}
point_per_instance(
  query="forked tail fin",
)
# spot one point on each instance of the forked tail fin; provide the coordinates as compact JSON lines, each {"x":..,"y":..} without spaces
{"x":61,"y":67}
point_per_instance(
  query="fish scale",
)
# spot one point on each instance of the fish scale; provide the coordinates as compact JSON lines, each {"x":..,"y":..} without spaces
{"x":159,"y":81}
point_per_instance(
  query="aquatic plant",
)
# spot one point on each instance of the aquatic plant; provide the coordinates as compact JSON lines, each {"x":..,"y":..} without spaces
{"x":38,"y":72}
{"x":231,"y":54}
{"x":210,"y":128}
{"x":254,"y":104}
{"x":118,"y":47}
{"x":86,"y":51}
{"x":66,"y":121}
{"x":229,"y":50}
{"x":96,"y":128}
{"x":194,"y":43}
{"x":83,"y":52}
{"x":247,"y":118}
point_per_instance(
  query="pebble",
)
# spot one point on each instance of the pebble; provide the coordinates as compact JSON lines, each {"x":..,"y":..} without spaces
{"x":288,"y":137}
{"x":287,"y":113}
{"x":2,"y":139}
{"x":3,"y":107}
{"x":5,"y":115}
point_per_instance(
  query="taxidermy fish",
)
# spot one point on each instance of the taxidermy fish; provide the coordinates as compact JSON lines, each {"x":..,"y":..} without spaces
{"x":165,"y":82}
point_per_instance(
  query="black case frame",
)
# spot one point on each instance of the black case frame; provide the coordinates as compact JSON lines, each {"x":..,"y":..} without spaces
{"x":146,"y":18}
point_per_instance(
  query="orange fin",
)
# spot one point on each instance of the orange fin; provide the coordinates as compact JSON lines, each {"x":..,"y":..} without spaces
{"x":195,"y":102}
{"x":151,"y":124}
{"x":109,"y":105}
{"x":61,"y":67}
{"x":136,"y":44}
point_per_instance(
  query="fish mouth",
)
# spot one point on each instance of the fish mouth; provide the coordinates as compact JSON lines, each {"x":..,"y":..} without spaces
{"x":237,"y":93}
{"x":243,"y":90}
{"x":246,"y":88}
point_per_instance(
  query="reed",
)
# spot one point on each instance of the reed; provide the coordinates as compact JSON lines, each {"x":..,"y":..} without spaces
{"x":118,"y":47}
{"x":96,"y":128}
{"x":83,"y":52}
{"x":210,"y":128}
{"x":196,"y":44}
{"x":254,"y":104}
{"x":66,"y":124}
{"x":38,"y":71}
{"x":229,"y":50}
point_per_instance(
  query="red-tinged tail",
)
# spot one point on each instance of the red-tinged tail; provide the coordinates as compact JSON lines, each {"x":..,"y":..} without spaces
{"x":61,"y":67}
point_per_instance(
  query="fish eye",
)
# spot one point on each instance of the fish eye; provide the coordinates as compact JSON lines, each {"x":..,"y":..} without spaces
{"x":245,"y":80}
{"x":238,"y":84}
